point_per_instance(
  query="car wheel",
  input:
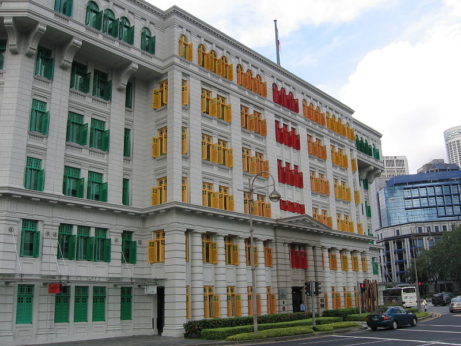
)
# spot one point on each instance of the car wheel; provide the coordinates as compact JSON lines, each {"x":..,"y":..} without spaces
{"x":394,"y":325}
{"x":374,"y":329}
{"x":413,"y":322}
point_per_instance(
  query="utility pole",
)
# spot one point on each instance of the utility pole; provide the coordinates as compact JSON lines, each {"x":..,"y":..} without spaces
{"x":277,"y":43}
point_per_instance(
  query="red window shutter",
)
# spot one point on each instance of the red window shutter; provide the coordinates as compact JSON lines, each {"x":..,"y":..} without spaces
{"x":296,"y":106}
{"x":285,"y":134}
{"x":300,"y":180}
{"x":275,"y":93}
{"x":278,"y":132}
{"x":303,"y":209}
{"x":293,"y":258}
{"x":298,"y":142}
{"x":280,"y":171}
{"x":293,"y":138}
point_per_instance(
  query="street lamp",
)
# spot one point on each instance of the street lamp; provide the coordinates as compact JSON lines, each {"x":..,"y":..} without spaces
{"x":274,"y":196}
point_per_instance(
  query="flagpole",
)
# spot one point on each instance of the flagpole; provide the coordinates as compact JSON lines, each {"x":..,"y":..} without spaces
{"x":277,"y":44}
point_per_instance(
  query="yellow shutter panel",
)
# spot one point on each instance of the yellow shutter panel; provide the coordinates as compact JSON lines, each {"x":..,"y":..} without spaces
{"x":151,"y":251}
{"x":221,"y":154}
{"x":155,"y":147}
{"x":189,"y":52}
{"x":219,"y":67}
{"x":185,"y":94}
{"x":185,"y":192}
{"x":229,"y":304}
{"x":230,"y":71}
{"x":256,"y":256}
{"x":156,"y":99}
{"x":222,"y":198}
{"x":230,"y":158}
{"x":214,"y":253}
{"x":215,"y":200}
{"x":164,"y":148}
{"x":267,"y":210}
{"x":155,"y":198}
{"x":214,"y":153}
{"x":204,"y":150}
{"x":216,"y":306}
{"x":258,"y":304}
{"x":165,"y":93}
{"x":253,"y":165}
{"x":203,"y":102}
{"x":251,"y":122}
{"x":230,"y":203}
{"x":184,"y":146}
{"x":213,"y":107}
{"x":238,"y":305}
{"x":228,"y":113}
{"x":206,"y":311}
{"x":263,"y":128}
{"x":204,"y":198}
{"x":245,"y":163}
{"x":235,"y":254}
{"x":162,"y":251}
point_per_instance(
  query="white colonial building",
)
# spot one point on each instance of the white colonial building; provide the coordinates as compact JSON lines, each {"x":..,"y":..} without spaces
{"x":128,"y":138}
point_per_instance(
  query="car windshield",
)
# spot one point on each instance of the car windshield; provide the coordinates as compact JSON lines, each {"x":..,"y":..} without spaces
{"x":380,"y":311}
{"x":456,"y":300}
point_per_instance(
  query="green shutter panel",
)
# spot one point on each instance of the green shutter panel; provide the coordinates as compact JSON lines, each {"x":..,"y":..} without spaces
{"x":90,"y":249}
{"x":131,"y":35}
{"x":72,"y":245}
{"x":132,"y":258}
{"x":40,"y":180}
{"x":49,"y":68}
{"x":152,"y":45}
{"x":107,"y":250}
{"x":105,"y":140}
{"x":82,"y":137}
{"x":44,"y":122}
{"x":98,"y":20}
{"x":80,"y":187}
{"x":104,"y":192}
{"x":21,"y":249}
{"x":67,"y":10}
{"x":85,"y":87}
{"x":36,"y":244}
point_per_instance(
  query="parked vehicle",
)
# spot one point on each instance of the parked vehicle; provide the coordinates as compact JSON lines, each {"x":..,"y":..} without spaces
{"x":391,"y":317}
{"x":442,"y":298}
{"x":403,"y":295}
{"x":455,"y":304}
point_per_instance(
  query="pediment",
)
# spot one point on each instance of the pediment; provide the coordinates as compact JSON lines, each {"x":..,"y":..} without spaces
{"x":305,"y":221}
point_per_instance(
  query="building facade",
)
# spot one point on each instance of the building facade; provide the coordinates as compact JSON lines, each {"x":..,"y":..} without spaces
{"x":394,"y":165}
{"x":453,"y":144}
{"x":415,"y":210}
{"x":129,"y":135}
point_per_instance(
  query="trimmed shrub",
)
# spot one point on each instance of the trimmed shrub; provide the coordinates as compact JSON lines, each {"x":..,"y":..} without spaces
{"x":340,"y":312}
{"x":323,"y":328}
{"x":421,"y":314}
{"x":413,"y":310}
{"x":271,"y":333}
{"x":357,"y":317}
{"x":338,"y":325}
{"x":193,"y":329}
{"x":223,"y":333}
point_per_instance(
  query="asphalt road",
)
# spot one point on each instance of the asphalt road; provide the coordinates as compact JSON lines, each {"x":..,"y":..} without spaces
{"x":445,"y":330}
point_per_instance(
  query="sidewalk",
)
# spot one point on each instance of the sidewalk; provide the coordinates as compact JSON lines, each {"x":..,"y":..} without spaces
{"x":138,"y":340}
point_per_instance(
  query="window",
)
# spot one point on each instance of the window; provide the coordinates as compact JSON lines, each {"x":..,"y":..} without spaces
{"x":129,"y":95}
{"x":209,"y":197}
{"x":99,"y":303}
{"x":109,"y":23}
{"x":85,"y":244}
{"x":96,"y":189}
{"x":223,"y":109}
{"x":248,"y":253}
{"x":126,"y":298}
{"x":159,"y":193}
{"x":66,"y":242}
{"x":184,"y":142}
{"x":34,"y":176}
{"x":209,"y":249}
{"x":30,"y":239}
{"x":24,"y":304}
{"x":77,"y":131}
{"x":332,"y":260}
{"x":102,"y":87}
{"x":232,"y":309}
{"x":93,"y":16}
{"x":44,"y":63}
{"x":2,"y":53}
{"x":188,"y":303}
{"x":232,"y":252}
{"x":271,"y":301}
{"x":99,"y":136}
{"x":185,"y":48}
{"x":128,"y":248}
{"x":344,"y":262}
{"x":160,"y":95}
{"x":185,"y":190}
{"x":39,"y":117}
{"x":184,"y":93}
{"x":147,"y":41}
{"x":156,"y":247}
{"x":102,"y":245}
{"x":64,"y":7}
{"x":126,"y":192}
{"x":62,"y":305}
{"x":81,"y":304}
{"x":73,"y":185}
{"x":267,"y":254}
{"x":80,"y":78}
{"x":160,"y":143}
{"x":226,"y":200}
{"x":127,"y":143}
{"x":125,"y":31}
{"x":211,"y":302}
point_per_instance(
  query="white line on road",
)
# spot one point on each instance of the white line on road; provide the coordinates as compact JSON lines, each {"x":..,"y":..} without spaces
{"x":391,"y":339}
{"x":442,"y":325}
{"x":364,"y":343}
{"x":428,"y":331}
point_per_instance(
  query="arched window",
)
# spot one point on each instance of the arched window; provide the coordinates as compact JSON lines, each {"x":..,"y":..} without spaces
{"x":185,"y":48}
{"x":64,"y":7}
{"x":147,"y":41}
{"x":93,"y":15}
{"x":125,"y":31}
{"x":211,"y":61}
{"x":109,"y":23}
{"x":201,"y":55}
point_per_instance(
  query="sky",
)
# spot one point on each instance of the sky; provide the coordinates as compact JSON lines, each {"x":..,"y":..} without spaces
{"x":396,"y":63}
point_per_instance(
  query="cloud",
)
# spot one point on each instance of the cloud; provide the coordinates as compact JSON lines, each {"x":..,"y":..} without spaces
{"x":252,"y":22}
{"x":410,"y":93}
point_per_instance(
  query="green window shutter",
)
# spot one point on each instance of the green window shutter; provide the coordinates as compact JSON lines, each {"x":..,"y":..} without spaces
{"x":36,"y":246}
{"x":127,"y":143}
{"x":99,"y":304}
{"x":131,"y":35}
{"x":105,"y":140}
{"x":126,"y":192}
{"x":24,"y":304}
{"x":107,"y":250}
{"x":125,"y":303}
{"x":83,"y":134}
{"x":80,"y":187}
{"x":2,"y":53}
{"x":67,"y":8}
{"x":90,"y":249}
{"x":81,"y":304}
{"x":129,"y":95}
{"x":151,"y":47}
{"x":40,"y":180}
{"x":62,"y":305}
{"x":132,"y":258}
{"x":72,"y":245}
{"x":49,"y":68}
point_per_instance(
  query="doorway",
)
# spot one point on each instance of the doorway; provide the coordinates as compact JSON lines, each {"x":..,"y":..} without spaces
{"x":297,"y":298}
{"x":160,"y":309}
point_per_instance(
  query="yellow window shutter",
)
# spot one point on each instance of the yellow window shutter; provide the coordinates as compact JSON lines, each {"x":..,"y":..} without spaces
{"x":221,"y":199}
{"x":265,"y":168}
{"x":245,"y":162}
{"x":184,"y":146}
{"x":267,"y":210}
{"x":230,"y":71}
{"x":230,"y":158}
{"x":205,"y":198}
{"x":253,"y":165}
{"x":263,"y":128}
{"x":155,"y":147}
{"x":164,"y":193}
{"x":216,"y":306}
{"x":214,"y":253}
{"x":154,"y":196}
{"x":219,"y":67}
{"x":214,"y":153}
{"x":230,"y":203}
{"x":221,"y":154}
{"x":208,"y":63}
{"x":164,"y":148}
{"x":238,"y":305}
{"x":256,"y":256}
{"x":185,"y":192}
{"x":162,"y":251}
{"x":151,"y":251}
{"x":258,"y":304}
{"x":228,"y":113}
{"x":185,"y":93}
{"x":213,"y":107}
{"x":165,"y":92}
{"x":203,"y":102}
{"x":215,"y":200}
{"x":229,"y":305}
{"x":156,"y":99}
{"x":189,"y":51}
{"x":251,"y":122}
{"x":204,"y":150}
{"x":235,"y":254}
{"x":206,"y":311}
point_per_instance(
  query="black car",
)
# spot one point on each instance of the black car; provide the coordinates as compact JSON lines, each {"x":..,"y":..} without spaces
{"x":442,"y":298}
{"x":391,"y":317}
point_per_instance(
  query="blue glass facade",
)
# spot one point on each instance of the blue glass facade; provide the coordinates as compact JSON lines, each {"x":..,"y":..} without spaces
{"x":421,"y":197}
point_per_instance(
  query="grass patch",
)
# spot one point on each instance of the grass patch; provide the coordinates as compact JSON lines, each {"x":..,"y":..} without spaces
{"x":357,"y":317}
{"x":421,"y":314}
{"x":271,"y":333}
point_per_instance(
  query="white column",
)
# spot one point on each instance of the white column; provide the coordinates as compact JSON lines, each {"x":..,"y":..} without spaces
{"x":327,"y":277}
{"x":196,"y":275}
{"x":175,"y":283}
{"x":242,"y":281}
{"x":220,"y":275}
{"x":261,"y":276}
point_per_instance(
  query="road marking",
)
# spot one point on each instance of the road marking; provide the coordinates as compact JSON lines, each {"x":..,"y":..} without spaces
{"x":364,"y":343}
{"x":442,"y":325}
{"x":395,"y":339}
{"x":429,"y":331}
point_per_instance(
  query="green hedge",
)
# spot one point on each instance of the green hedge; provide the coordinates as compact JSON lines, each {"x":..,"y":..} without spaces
{"x":357,"y":317}
{"x":271,"y":333}
{"x":223,"y":333}
{"x":421,"y":314}
{"x":193,"y":329}
{"x":340,"y":312}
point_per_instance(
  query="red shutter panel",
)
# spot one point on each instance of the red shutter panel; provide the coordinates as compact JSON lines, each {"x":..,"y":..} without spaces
{"x":297,"y":106}
{"x":275,"y":93}
{"x":303,"y":209}
{"x":293,"y":138}
{"x":298,"y":142}
{"x":285,"y":134}
{"x":278,"y":133}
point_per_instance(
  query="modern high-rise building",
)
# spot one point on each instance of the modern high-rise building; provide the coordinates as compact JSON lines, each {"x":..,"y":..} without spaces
{"x":130,"y":140}
{"x":415,"y":210}
{"x":453,"y":144}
